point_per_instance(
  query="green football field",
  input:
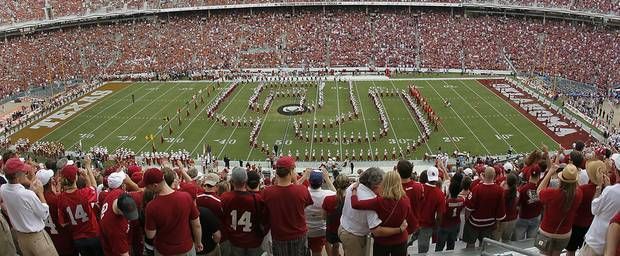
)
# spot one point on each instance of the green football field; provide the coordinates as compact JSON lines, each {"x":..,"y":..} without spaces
{"x":478,"y":121}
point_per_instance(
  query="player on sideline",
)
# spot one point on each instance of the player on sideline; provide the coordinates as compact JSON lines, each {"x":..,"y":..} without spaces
{"x":133,"y":99}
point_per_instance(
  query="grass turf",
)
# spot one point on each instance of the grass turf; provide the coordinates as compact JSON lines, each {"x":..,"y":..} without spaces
{"x":478,"y":122}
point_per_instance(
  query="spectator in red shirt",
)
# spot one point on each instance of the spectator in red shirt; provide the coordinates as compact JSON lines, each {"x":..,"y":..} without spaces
{"x":485,"y":208}
{"x":243,"y":213}
{"x":450,"y":222}
{"x":582,"y":224}
{"x":612,"y":243}
{"x":560,"y":205}
{"x":212,"y":201}
{"x":530,"y":207}
{"x":413,"y":189}
{"x":75,"y":209}
{"x":432,"y":208}
{"x":172,"y":218}
{"x":506,"y":227}
{"x":394,"y":211}
{"x":332,"y":205}
{"x":115,"y":225}
{"x":285,"y":202}
{"x":61,"y":237}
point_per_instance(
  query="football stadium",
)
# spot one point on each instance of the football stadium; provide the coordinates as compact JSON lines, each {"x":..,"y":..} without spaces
{"x":178,"y":127}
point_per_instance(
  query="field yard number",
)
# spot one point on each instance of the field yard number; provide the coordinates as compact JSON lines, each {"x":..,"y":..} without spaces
{"x":449,"y":86}
{"x":174,"y":140}
{"x":126,"y":138}
{"x":86,"y":135}
{"x":452,"y":139}
{"x":503,"y":136}
{"x":399,"y":141}
{"x":152,"y":89}
{"x":284,"y":142}
{"x":186,"y":89}
{"x":226,"y":141}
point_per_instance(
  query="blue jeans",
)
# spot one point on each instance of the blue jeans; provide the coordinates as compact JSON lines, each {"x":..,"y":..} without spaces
{"x":424,"y":239}
{"x":447,"y":236}
{"x":526,"y":228}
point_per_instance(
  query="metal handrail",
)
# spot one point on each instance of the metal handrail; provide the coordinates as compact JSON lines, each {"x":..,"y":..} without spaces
{"x":486,"y":241}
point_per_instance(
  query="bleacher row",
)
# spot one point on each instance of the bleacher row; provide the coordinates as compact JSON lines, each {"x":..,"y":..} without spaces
{"x":311,"y":38}
{"x":12,"y":11}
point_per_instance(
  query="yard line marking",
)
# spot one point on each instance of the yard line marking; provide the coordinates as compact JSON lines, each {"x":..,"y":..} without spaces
{"x":86,"y":110}
{"x":230,"y":136}
{"x":259,"y":130}
{"x":413,"y":119}
{"x":127,"y":120}
{"x":150,"y":118}
{"x":362,"y":109}
{"x":171,"y":120}
{"x":390,"y":126}
{"x":459,"y":117}
{"x":477,"y":112}
{"x":339,"y":125}
{"x":214,"y":122}
{"x":191,"y":122}
{"x":501,"y":114}
{"x":283,"y":140}
{"x":316,"y":109}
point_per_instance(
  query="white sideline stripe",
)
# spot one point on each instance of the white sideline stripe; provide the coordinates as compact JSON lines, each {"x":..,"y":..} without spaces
{"x":151,"y":118}
{"x":389,"y":121}
{"x":215,"y":122}
{"x":413,"y":119}
{"x":362,"y":109}
{"x":480,"y":115}
{"x":459,"y":117}
{"x":339,"y":123}
{"x":166,"y":124}
{"x":130,"y":118}
{"x":501,"y":114}
{"x":93,"y":131}
{"x":84,"y":111}
{"x":192,"y":121}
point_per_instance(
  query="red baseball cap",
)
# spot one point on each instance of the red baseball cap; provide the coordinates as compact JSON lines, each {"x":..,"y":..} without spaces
{"x":14,"y":165}
{"x":151,"y":176}
{"x":286,"y":162}
{"x":110,"y":170}
{"x":70,"y":172}
{"x":133,"y":169}
{"x":137,"y":177}
{"x":191,"y":188}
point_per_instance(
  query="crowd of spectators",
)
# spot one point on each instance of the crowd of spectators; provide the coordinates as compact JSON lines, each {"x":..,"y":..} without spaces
{"x":20,"y":11}
{"x":312,"y":38}
{"x":128,"y":207}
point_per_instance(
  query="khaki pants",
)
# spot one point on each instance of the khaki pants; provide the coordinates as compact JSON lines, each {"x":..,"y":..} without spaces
{"x":586,"y":250}
{"x":352,"y":245}
{"x":6,"y":238}
{"x":34,"y":244}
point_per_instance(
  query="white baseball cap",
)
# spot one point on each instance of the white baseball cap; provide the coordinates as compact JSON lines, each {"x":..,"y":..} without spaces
{"x":44,"y":176}
{"x":468,"y":171}
{"x":432,"y":173}
{"x":116,"y":179}
{"x":508,"y":166}
{"x":616,"y":159}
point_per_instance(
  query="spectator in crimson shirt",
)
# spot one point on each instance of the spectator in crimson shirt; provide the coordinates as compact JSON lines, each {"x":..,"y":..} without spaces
{"x":114,"y":224}
{"x":530,"y":207}
{"x":212,"y":201}
{"x":172,"y":218}
{"x":433,"y":207}
{"x":485,"y":207}
{"x":413,"y":189}
{"x":244,"y":212}
{"x":394,"y":210}
{"x":612,"y":244}
{"x":506,"y":227}
{"x":582,"y":224}
{"x":560,"y":205}
{"x":450,"y":222}
{"x":332,"y":205}
{"x":285,"y":203}
{"x":75,"y":209}
{"x":61,"y":237}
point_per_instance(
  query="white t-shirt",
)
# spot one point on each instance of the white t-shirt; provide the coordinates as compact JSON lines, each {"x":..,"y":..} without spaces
{"x":583,"y":177}
{"x":358,"y":222}
{"x":314,"y":213}
{"x":603,"y":208}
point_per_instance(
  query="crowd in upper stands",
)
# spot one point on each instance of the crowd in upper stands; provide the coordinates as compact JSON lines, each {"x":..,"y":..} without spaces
{"x":20,"y":11}
{"x":311,"y":38}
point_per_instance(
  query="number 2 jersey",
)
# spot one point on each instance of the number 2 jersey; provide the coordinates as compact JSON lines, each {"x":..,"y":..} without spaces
{"x":114,"y":228}
{"x":242,"y":211}
{"x":75,"y":209}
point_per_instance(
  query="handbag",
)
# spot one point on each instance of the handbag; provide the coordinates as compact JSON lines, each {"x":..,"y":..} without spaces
{"x":543,"y":242}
